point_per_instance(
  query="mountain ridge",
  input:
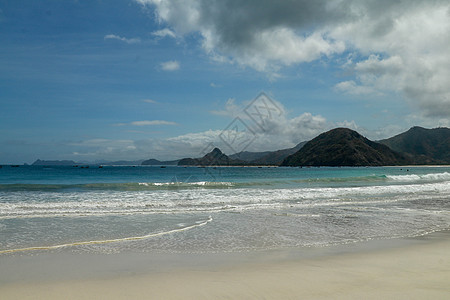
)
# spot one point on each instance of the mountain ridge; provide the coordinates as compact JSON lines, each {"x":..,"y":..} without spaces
{"x":427,"y":146}
{"x":416,"y":146}
{"x":344,"y":147}
{"x":267,"y":157}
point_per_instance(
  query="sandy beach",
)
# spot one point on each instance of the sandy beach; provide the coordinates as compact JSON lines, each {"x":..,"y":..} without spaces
{"x":415,"y":270}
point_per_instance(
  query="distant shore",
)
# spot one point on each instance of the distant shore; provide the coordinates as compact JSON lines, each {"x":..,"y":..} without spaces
{"x":417,"y":268}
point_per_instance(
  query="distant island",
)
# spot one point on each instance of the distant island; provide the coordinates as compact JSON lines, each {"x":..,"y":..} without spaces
{"x":40,"y":162}
{"x":337,"y":147}
{"x":214,"y":158}
{"x":53,"y":163}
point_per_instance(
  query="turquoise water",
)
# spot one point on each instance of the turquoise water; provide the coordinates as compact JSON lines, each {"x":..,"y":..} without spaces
{"x":196,"y":210}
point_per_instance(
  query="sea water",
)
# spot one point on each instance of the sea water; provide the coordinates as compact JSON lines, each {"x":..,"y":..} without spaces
{"x":115,"y":209}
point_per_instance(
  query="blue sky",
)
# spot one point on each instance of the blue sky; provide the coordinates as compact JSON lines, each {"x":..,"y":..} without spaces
{"x":138,"y":79}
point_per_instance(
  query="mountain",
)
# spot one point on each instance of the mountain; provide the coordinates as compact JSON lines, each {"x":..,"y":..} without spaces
{"x":425,"y":145}
{"x":249,"y":156}
{"x":266,"y":157}
{"x":53,"y":163}
{"x":213,"y":158}
{"x":155,"y":162}
{"x":344,"y":147}
{"x":277,"y":157}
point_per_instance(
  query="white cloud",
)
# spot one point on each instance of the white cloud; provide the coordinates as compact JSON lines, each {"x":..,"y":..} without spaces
{"x":166,"y":32}
{"x":399,"y":46}
{"x":154,"y":122}
{"x":231,"y":109}
{"x":282,"y":132}
{"x":171,"y":65}
{"x":123,"y":39}
{"x":351,"y":87}
{"x":415,"y":60}
{"x":279,"y":130}
{"x":150,"y":101}
{"x":102,"y":143}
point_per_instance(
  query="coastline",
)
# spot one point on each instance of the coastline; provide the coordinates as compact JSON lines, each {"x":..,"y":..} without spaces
{"x":408,"y":268}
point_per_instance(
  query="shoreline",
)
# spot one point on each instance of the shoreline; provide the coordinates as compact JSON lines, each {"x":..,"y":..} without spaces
{"x":408,"y":268}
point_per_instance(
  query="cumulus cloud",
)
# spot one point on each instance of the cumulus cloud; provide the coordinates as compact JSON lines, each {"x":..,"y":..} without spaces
{"x":271,"y":128}
{"x":171,"y":65}
{"x":123,"y":39}
{"x":399,"y":46}
{"x":407,"y":52}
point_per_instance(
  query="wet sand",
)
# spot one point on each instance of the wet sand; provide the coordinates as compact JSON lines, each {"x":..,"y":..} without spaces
{"x":413,"y":270}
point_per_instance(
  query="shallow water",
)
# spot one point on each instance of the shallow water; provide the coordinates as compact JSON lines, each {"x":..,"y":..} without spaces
{"x":208,"y":210}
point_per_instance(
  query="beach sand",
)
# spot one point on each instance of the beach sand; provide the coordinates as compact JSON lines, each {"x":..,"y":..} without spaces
{"x":419,"y":270}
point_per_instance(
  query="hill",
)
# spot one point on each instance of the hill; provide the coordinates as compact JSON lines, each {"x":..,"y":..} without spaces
{"x":214,"y":158}
{"x":277,"y":157}
{"x":266,"y":157}
{"x":344,"y":147}
{"x":425,"y":145}
{"x":248,"y":156}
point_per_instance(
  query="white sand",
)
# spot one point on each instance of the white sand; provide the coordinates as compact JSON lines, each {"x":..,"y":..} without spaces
{"x":420,"y":271}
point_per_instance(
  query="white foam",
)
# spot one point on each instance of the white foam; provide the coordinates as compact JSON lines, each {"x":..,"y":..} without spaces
{"x":97,"y":203}
{"x":177,"y":183}
{"x":133,"y":238}
{"x":425,"y":177}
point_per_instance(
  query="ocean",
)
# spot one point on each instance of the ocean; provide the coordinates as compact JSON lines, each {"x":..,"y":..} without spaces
{"x":152,"y":209}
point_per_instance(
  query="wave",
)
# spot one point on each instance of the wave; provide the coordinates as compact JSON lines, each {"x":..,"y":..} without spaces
{"x":100,"y":203}
{"x":127,"y":186}
{"x":432,"y":177}
{"x":125,"y":239}
{"x":178,"y":185}
{"x":424,"y":177}
{"x":368,"y":178}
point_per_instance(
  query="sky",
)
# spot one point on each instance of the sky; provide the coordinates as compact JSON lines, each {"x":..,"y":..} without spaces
{"x":90,"y":80}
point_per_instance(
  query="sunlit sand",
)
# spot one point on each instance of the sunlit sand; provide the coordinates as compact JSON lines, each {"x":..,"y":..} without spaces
{"x":413,"y":271}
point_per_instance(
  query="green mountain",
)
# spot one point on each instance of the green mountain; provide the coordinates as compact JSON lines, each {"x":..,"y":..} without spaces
{"x":425,"y":145}
{"x":344,"y":147}
{"x":214,"y":158}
